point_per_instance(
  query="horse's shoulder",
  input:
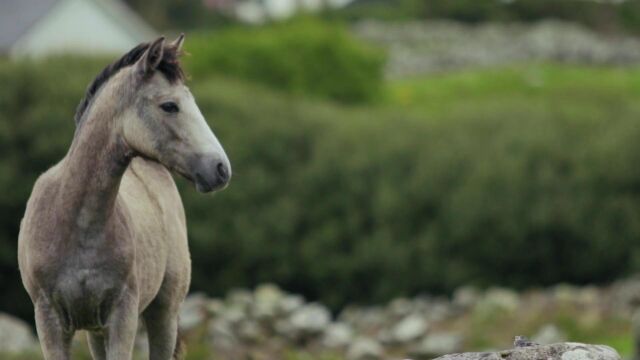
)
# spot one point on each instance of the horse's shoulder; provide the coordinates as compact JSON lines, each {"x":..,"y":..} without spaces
{"x":45,"y":187}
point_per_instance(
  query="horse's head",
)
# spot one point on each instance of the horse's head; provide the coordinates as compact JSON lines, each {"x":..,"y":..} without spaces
{"x":164,"y":123}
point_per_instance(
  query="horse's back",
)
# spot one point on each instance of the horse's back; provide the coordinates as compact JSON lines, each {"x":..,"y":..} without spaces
{"x":162,"y":255}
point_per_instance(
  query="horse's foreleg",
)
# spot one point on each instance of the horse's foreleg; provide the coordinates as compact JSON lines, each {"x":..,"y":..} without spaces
{"x":162,"y":328}
{"x":121,"y":328}
{"x":54,"y":339}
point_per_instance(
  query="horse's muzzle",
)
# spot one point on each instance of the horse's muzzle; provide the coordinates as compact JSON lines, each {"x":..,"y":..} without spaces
{"x":211,"y":173}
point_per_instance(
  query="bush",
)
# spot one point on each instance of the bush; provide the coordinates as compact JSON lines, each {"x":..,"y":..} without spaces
{"x":493,"y":182}
{"x":300,"y":57}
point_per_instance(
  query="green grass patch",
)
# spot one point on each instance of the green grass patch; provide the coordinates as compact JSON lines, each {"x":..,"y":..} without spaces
{"x":570,"y":90}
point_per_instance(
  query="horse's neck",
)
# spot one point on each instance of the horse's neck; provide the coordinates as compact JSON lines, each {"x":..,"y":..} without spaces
{"x":91,"y":175}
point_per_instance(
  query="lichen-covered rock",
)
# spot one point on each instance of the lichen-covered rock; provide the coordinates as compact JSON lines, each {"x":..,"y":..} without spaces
{"x":560,"y":351}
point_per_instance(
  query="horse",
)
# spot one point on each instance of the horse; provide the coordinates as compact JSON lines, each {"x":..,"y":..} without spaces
{"x":103,"y":242}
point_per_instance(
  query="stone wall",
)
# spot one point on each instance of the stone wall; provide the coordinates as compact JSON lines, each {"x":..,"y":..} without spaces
{"x":267,"y":322}
{"x":427,"y":47}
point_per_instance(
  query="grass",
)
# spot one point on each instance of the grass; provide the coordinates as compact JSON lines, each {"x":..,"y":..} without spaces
{"x":542,"y":87}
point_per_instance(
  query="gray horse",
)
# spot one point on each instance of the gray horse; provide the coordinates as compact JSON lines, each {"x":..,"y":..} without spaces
{"x":103,"y":241}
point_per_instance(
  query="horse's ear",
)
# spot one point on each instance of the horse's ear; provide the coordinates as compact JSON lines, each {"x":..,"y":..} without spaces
{"x":149,"y":62}
{"x":177,"y":43}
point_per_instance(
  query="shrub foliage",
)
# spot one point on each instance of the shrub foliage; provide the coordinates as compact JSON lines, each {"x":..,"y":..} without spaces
{"x":361,"y":205}
{"x":301,"y":56}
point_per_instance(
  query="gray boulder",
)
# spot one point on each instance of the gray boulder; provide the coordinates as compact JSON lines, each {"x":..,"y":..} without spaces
{"x":310,"y":319}
{"x":193,"y":311}
{"x":15,"y":335}
{"x":267,"y":299}
{"x":290,"y":303}
{"x":411,"y":327}
{"x":466,"y":297}
{"x":531,"y":351}
{"x":337,"y":335}
{"x":222,"y":335}
{"x":365,"y":349}
{"x":497,"y":300}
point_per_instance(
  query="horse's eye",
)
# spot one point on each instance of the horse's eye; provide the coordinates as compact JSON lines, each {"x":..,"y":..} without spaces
{"x":170,"y":107}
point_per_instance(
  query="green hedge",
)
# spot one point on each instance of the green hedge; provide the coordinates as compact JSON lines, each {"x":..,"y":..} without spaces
{"x":361,"y":205}
{"x":302,"y":57}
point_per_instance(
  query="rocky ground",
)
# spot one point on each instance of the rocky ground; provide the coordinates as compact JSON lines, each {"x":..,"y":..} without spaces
{"x":267,"y":323}
{"x":427,"y":47}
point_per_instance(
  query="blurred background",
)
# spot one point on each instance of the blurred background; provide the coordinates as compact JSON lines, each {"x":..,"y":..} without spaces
{"x":411,"y":177}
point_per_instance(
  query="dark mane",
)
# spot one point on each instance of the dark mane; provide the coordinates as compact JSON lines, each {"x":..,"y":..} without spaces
{"x":169,"y":66}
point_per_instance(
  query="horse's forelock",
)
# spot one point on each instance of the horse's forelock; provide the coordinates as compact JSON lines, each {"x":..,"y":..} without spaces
{"x":169,"y":66}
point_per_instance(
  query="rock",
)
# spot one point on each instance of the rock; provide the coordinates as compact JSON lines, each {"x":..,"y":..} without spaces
{"x":193,"y":311}
{"x":549,"y":334}
{"x":560,"y":351}
{"x":290,"y":303}
{"x":497,"y":300}
{"x":16,"y":335}
{"x":250,"y":331}
{"x":215,"y":307}
{"x":523,"y":341}
{"x":221,"y":334}
{"x":284,"y":329}
{"x":365,"y":349}
{"x":409,"y":328}
{"x":438,"y":310}
{"x":466,"y":297}
{"x":337,"y":335}
{"x":400,"y":307}
{"x":625,"y":296}
{"x":434,"y":46}
{"x":565,"y":294}
{"x":267,"y":300}
{"x":240,"y":298}
{"x":364,"y":319}
{"x":233,"y":314}
{"x":436,"y":345}
{"x":310,"y":319}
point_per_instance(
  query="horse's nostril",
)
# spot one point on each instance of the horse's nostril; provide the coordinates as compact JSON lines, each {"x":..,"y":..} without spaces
{"x":223,"y":172}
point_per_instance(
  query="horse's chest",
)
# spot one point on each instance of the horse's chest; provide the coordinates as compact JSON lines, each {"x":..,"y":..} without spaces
{"x":85,"y":296}
{"x":85,"y":283}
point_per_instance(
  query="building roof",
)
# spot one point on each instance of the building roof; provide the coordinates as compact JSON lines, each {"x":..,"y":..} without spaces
{"x":17,"y":16}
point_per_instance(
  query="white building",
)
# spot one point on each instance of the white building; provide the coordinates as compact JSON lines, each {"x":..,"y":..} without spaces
{"x":261,"y":11}
{"x":36,"y":28}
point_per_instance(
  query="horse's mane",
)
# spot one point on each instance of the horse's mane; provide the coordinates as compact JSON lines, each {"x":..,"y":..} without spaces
{"x":169,"y":66}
